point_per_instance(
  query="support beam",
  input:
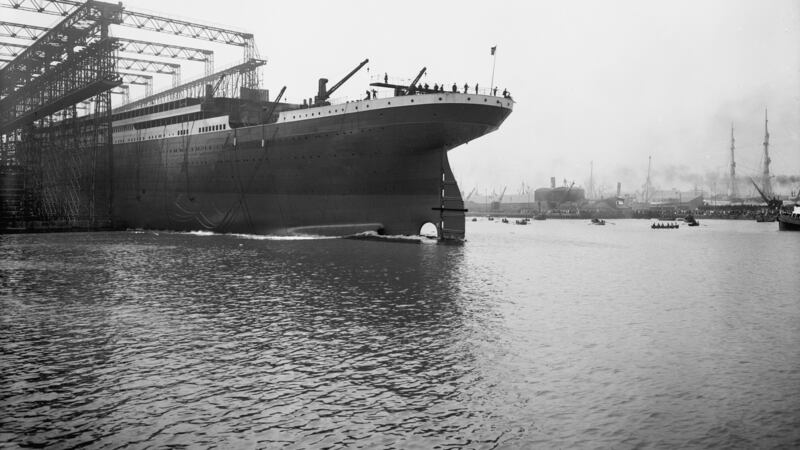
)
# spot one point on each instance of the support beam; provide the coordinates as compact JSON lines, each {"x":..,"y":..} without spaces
{"x":21,"y":30}
{"x":87,"y":24}
{"x":7,"y":49}
{"x":168,"y":51}
{"x":146,"y":21}
{"x":135,"y":78}
{"x":144,"y":65}
{"x":240,"y":75}
{"x":58,"y":8}
{"x":86,"y":74}
{"x":163,"y":50}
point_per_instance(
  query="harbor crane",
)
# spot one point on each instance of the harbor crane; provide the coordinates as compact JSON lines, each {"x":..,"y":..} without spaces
{"x":471,"y":193}
{"x":496,"y":204}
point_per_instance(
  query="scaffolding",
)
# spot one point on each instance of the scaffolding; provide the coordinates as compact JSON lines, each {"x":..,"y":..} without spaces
{"x":56,"y":159}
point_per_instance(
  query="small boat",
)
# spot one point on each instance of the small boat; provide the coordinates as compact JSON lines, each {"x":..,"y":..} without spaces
{"x":664,"y":226}
{"x":690,"y":221}
{"x":521,"y":221}
{"x":474,"y":219}
{"x":491,"y":218}
{"x":596,"y":221}
{"x":540,"y":216}
{"x":504,"y":220}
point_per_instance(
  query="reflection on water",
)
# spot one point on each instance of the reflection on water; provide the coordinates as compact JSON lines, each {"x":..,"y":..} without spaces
{"x":551,"y":335}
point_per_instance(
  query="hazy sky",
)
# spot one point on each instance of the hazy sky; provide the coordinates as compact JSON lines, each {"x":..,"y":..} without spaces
{"x":604,"y":81}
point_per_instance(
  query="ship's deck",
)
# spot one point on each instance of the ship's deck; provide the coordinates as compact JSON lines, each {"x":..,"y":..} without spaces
{"x":393,"y":102}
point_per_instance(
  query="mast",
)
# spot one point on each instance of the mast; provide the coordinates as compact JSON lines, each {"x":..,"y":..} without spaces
{"x":647,"y":183}
{"x":766,"y":185}
{"x":591,"y":180}
{"x":732,"y":188}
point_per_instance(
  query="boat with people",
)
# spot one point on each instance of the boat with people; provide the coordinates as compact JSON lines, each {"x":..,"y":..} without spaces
{"x":596,"y":221}
{"x":664,"y":226}
{"x":691,"y":221}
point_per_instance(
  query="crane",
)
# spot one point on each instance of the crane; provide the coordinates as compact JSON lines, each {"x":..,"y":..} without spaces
{"x":324,"y":94}
{"x":496,"y":204}
{"x":471,"y":193}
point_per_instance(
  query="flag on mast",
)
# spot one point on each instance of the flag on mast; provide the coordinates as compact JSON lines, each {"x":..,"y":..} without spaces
{"x":494,"y":49}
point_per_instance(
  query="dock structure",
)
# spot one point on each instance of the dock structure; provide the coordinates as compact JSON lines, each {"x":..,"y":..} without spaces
{"x":56,"y":88}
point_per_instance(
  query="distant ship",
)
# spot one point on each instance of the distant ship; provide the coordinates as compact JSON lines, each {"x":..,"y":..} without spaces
{"x":254,"y":166}
{"x":790,"y":221}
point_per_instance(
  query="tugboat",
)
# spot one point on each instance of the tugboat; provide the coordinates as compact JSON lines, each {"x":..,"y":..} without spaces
{"x":790,"y":221}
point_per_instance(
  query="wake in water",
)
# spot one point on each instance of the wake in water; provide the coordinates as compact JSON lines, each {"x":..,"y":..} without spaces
{"x":415,"y":239}
{"x":366,"y":235}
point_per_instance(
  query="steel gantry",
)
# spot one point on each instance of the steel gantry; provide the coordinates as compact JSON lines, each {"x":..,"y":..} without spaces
{"x":63,"y":164}
{"x":168,"y":51}
{"x":131,"y":78}
{"x":147,"y":21}
{"x":56,"y":159}
{"x":11,"y":50}
{"x":21,"y":31}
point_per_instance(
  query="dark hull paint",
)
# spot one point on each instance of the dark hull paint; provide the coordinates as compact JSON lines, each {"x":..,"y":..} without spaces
{"x":786,"y":223}
{"x":372,"y":170}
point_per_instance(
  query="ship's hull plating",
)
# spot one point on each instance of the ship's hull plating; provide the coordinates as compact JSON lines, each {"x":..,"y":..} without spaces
{"x":788,"y":223}
{"x":384,"y":170}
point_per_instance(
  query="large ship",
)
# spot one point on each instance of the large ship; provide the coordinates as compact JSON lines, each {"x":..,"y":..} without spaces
{"x":250,"y":165}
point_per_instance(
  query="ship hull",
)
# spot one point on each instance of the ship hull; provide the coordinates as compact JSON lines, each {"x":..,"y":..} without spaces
{"x":383,"y":170}
{"x":788,"y":223}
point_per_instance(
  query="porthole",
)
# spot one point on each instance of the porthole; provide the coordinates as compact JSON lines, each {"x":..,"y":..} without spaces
{"x":469,"y":98}
{"x":440,"y":98}
{"x":412,"y":100}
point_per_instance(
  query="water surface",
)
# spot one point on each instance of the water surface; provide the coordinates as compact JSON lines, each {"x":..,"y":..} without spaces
{"x":554,"y":334}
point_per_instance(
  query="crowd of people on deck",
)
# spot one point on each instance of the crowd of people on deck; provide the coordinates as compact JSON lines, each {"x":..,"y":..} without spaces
{"x":437,"y":87}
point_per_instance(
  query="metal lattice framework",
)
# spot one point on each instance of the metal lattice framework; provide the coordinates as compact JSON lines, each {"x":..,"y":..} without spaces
{"x":85,"y":25}
{"x":21,"y":31}
{"x":58,"y":8}
{"x":10,"y":50}
{"x":168,"y":51}
{"x":55,"y":101}
{"x":228,"y":82}
{"x":144,"y":65}
{"x":57,"y":154}
{"x":131,"y":78}
{"x":145,"y":21}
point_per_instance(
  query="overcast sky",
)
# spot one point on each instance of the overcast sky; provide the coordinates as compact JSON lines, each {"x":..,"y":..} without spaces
{"x":604,"y":81}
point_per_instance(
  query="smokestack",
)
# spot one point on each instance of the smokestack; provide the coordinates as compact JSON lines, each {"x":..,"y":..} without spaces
{"x":552,"y":182}
{"x":619,"y":189}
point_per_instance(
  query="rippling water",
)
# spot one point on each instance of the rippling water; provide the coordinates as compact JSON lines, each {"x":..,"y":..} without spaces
{"x":556,"y":334}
